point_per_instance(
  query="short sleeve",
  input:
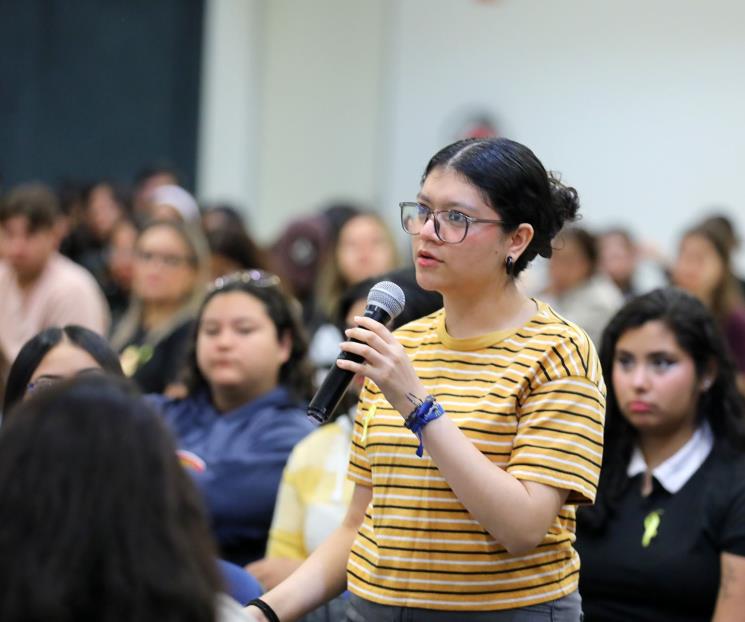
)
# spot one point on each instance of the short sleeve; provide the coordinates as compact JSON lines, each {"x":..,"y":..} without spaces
{"x":559,"y":440}
{"x":359,"y":465}
{"x":733,"y":528}
{"x":286,"y":533}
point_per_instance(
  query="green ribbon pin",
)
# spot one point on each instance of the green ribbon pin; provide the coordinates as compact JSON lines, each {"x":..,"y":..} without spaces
{"x":651,"y":526}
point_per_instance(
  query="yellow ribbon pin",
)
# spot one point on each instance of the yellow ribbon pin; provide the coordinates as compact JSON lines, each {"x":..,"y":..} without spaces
{"x":651,"y":525}
{"x":366,"y":420}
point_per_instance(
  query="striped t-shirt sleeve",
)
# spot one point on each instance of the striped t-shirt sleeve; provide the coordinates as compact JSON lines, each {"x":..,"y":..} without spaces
{"x":359,"y":465}
{"x":559,"y":440}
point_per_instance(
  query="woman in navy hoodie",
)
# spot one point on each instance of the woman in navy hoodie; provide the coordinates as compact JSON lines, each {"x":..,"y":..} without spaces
{"x":248,"y":382}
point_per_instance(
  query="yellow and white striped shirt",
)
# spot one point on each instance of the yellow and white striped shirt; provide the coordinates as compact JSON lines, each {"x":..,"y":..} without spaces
{"x":533,"y":401}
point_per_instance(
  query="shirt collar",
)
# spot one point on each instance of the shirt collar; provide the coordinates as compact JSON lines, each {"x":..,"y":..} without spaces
{"x":674,"y":472}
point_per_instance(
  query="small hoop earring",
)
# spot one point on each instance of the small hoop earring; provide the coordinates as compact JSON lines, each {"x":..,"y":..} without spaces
{"x":509,"y":265}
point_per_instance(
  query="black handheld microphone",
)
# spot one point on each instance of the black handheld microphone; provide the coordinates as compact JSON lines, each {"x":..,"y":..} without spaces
{"x":384,"y":302}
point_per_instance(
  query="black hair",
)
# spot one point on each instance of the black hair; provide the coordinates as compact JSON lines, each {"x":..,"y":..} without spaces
{"x":36,"y":348}
{"x":296,"y":373}
{"x":157,"y":168}
{"x":721,"y":405}
{"x":36,"y":202}
{"x":235,"y":244}
{"x":100,"y":520}
{"x":514,"y":184}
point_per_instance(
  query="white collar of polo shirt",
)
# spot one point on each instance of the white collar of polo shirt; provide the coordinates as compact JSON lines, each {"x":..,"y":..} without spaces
{"x":674,"y":472}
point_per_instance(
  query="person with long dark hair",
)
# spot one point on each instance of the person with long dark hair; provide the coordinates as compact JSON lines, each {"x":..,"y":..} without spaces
{"x":247,"y":383}
{"x":665,"y":540}
{"x":99,"y":520}
{"x":479,"y":428}
{"x":54,"y":354}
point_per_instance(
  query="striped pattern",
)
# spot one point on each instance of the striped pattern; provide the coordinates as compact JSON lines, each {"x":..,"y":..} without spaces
{"x":533,"y":401}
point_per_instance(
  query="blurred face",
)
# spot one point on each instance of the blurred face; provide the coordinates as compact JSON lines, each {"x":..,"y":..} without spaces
{"x":25,"y":250}
{"x":568,"y":267}
{"x":148,"y":186}
{"x":238,"y":347}
{"x":364,"y":250}
{"x":121,"y":254}
{"x":474,"y":264}
{"x":617,"y":258}
{"x":655,"y":381}
{"x":102,"y":211}
{"x":164,"y":271}
{"x":63,"y":361}
{"x":698,"y":268}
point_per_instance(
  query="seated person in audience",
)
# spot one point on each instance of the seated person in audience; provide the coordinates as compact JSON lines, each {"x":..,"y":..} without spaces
{"x":703,"y":268}
{"x":363,"y":248}
{"x":174,"y":203}
{"x":120,"y":267}
{"x":245,"y":409}
{"x":148,"y":178}
{"x":169,"y":274}
{"x":99,"y":521}
{"x":728,"y":234}
{"x":38,"y":286}
{"x":233,"y":250}
{"x":576,"y":290}
{"x":665,"y":541}
{"x":54,"y":354}
{"x":618,"y":258}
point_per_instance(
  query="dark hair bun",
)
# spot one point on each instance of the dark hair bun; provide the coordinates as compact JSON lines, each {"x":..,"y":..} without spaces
{"x":565,"y":206}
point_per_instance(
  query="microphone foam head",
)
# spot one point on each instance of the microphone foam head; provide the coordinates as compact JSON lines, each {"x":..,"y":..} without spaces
{"x":388,"y":296}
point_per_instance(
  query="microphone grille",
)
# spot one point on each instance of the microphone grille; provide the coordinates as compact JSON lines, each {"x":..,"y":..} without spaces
{"x":388,"y":296}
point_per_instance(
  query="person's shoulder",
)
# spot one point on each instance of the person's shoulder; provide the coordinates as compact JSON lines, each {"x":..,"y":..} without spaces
{"x":65,"y":274}
{"x":566,"y":344}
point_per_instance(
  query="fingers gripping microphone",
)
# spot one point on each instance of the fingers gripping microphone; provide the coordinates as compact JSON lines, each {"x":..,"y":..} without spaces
{"x":384,"y":302}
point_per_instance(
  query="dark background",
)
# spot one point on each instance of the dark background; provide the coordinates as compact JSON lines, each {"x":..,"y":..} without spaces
{"x":97,"y":88}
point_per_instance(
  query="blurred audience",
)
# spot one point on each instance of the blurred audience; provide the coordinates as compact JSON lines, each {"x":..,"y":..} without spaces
{"x":727,"y":232}
{"x":363,"y":248}
{"x":247,"y":390}
{"x":665,"y":540}
{"x":618,"y":258}
{"x":120,"y":258}
{"x":233,"y":250}
{"x":220,"y":217}
{"x":99,"y":520}
{"x":169,"y":274}
{"x":55,"y":354}
{"x":40,"y":287}
{"x":703,"y":269}
{"x":576,"y":289}
{"x":146,"y":181}
{"x":173,"y":203}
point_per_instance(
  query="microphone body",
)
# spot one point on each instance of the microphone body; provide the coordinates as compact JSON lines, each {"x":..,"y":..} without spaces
{"x":385,"y":301}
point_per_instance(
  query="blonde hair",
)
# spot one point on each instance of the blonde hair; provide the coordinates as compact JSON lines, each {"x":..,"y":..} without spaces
{"x":132,"y":318}
{"x":331,"y":282}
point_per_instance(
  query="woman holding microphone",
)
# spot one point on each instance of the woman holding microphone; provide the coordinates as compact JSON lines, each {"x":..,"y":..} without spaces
{"x":479,"y":428}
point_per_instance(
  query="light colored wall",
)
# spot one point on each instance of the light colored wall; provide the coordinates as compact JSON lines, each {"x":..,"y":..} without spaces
{"x":639,"y":104}
{"x":227,"y":158}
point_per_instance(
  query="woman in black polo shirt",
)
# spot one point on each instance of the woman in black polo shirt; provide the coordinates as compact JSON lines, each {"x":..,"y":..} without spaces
{"x":666,"y":538}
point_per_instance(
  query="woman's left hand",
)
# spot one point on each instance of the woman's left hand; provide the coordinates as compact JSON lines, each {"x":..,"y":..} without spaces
{"x":386,"y":364}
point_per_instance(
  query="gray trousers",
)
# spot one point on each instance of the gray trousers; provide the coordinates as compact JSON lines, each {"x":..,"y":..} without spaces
{"x":565,"y":609}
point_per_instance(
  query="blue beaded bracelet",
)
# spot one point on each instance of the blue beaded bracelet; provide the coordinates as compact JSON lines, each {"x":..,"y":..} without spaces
{"x":427,"y":411}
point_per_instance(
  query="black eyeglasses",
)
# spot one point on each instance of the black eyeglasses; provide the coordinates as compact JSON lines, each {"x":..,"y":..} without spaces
{"x":451,"y":226}
{"x":259,"y":278}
